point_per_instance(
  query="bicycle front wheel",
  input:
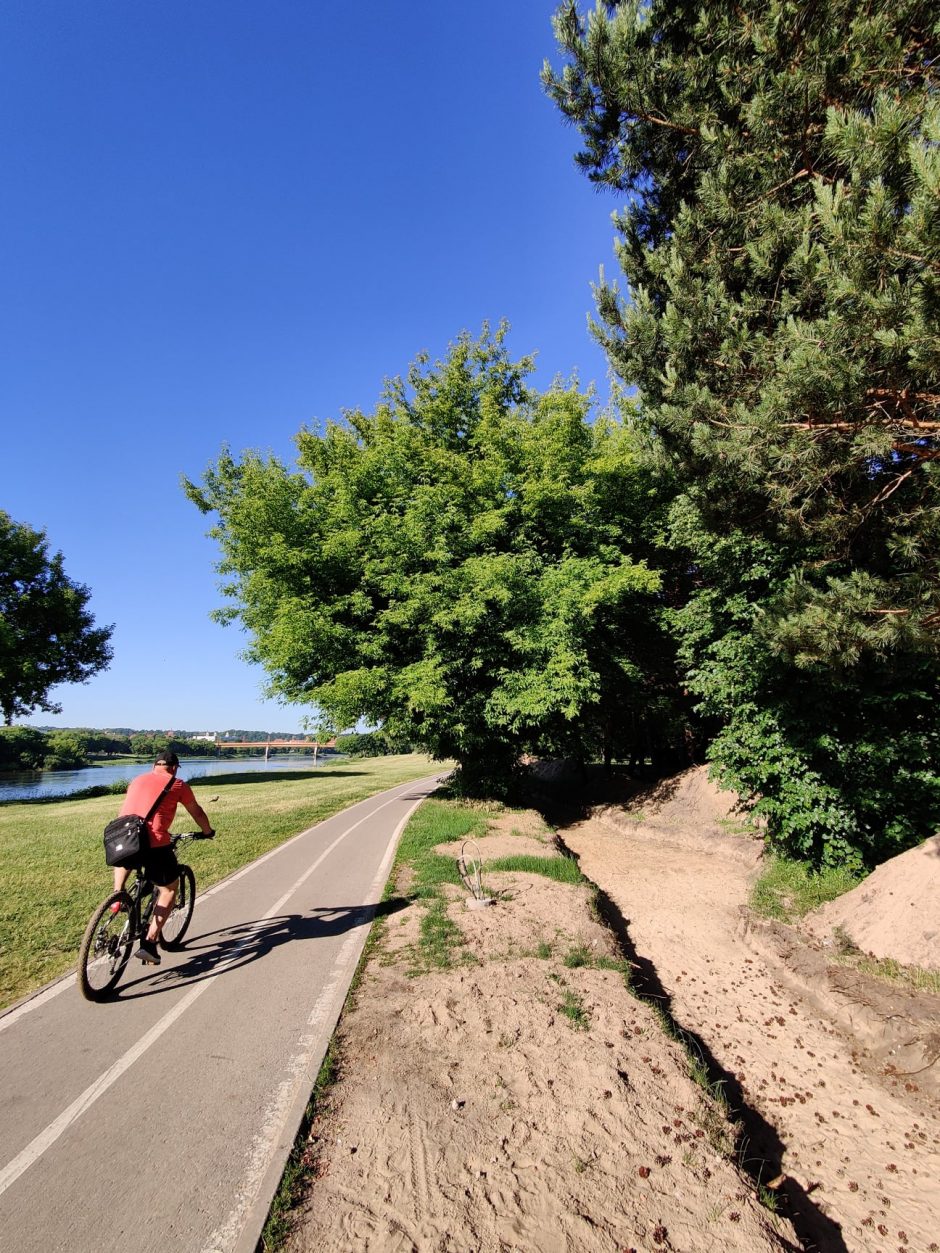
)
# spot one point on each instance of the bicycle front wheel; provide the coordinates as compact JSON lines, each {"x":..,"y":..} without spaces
{"x":106,"y":947}
{"x":177,"y":924}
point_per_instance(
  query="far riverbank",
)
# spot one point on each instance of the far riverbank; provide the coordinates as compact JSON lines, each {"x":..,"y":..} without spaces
{"x":25,"y":785}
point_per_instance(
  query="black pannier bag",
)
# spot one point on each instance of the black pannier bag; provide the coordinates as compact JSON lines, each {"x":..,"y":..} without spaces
{"x":126,"y":839}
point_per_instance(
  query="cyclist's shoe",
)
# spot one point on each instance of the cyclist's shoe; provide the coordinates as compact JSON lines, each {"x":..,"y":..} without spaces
{"x":117,"y":907}
{"x":148,"y":953}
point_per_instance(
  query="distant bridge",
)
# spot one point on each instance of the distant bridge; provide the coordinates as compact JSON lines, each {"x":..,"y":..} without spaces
{"x":311,"y":746}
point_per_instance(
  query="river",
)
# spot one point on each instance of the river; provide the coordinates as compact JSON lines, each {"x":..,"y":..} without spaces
{"x":30,"y":784}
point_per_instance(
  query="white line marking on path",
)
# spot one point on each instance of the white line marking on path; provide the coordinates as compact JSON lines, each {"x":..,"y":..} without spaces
{"x":299,"y":1067}
{"x":41,"y":1143}
{"x":10,"y":1016}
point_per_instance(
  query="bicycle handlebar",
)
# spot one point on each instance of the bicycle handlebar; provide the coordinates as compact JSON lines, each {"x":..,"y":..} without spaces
{"x":192,"y":835}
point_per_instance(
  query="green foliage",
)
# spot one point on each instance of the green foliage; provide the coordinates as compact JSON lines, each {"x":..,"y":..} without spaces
{"x":22,"y":748}
{"x":467,"y":567}
{"x":363,"y":744}
{"x":840,"y":761}
{"x":781,"y":239}
{"x":47,"y":635}
{"x":65,"y":750}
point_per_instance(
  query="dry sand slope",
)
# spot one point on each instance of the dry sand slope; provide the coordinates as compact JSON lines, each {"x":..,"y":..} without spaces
{"x":816,"y":1057}
{"x":515,"y":1102}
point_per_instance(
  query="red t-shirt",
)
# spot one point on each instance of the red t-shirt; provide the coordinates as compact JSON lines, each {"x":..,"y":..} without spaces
{"x":144,"y":790}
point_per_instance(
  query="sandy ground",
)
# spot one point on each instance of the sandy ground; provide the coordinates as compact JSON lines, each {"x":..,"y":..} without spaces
{"x":516,"y":1102}
{"x":820,"y":1060}
{"x":473,"y":1113}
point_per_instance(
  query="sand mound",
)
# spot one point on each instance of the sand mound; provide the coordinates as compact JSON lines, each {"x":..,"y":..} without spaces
{"x":895,"y":912}
{"x":689,"y":811}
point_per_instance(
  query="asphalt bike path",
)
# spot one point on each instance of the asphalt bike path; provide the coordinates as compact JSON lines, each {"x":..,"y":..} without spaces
{"x":161,"y":1120}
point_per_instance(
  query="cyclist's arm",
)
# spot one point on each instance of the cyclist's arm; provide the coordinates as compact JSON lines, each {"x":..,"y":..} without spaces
{"x":198,"y":814}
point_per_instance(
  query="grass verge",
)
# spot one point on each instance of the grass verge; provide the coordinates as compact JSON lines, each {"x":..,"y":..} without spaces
{"x":789,"y":889}
{"x":561,"y":869}
{"x":435,"y":822}
{"x":302,"y":1162}
{"x":445,"y":821}
{"x":52,"y":864}
{"x":425,"y":872}
{"x":913,"y":978}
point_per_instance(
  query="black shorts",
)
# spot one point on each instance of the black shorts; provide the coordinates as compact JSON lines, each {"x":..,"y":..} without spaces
{"x":160,"y":866}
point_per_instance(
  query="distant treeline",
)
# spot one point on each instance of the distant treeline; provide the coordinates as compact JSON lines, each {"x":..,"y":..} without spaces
{"x":32,"y":748}
{"x":126,"y":733}
{"x":28,"y":748}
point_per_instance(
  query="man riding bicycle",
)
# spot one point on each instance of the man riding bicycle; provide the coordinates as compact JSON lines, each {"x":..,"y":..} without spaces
{"x":159,"y":862}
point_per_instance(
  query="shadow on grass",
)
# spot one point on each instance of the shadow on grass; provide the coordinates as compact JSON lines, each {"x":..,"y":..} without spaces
{"x":216,"y":953}
{"x":269,"y":776}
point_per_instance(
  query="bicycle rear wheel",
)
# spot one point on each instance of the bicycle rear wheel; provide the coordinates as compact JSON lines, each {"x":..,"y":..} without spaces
{"x":177,"y":924}
{"x":106,"y":947}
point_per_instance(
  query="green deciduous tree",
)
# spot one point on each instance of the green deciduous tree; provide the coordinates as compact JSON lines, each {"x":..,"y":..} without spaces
{"x":452,"y":567}
{"x":66,"y":750}
{"x":47,"y":634}
{"x":22,"y":748}
{"x":779,"y":168}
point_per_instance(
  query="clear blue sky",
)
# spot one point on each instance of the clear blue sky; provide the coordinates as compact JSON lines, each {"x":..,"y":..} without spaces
{"x":223,"y":219}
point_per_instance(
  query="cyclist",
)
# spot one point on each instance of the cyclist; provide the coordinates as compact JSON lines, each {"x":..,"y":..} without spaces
{"x":159,"y":863}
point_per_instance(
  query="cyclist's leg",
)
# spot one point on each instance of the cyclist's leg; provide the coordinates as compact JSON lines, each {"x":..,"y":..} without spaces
{"x":166,"y":899}
{"x":163,"y":869}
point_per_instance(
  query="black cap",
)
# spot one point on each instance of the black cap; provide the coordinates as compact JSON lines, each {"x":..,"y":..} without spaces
{"x":168,"y":758}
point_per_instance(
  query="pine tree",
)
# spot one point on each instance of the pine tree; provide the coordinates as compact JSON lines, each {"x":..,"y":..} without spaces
{"x":779,"y":170}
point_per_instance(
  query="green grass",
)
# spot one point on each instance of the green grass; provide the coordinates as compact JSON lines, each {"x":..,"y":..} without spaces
{"x":437,"y":822}
{"x":573,"y":1009}
{"x":914,"y":978}
{"x":789,"y":889}
{"x":577,"y":955}
{"x":421,"y":872}
{"x":561,"y":869}
{"x":440,"y":938}
{"x":52,"y":863}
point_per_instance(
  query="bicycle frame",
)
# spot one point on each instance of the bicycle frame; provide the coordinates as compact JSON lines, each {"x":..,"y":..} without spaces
{"x":108,"y":940}
{"x":144,"y":895}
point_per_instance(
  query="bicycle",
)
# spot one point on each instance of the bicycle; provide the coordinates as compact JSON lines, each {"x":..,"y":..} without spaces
{"x":111,"y":934}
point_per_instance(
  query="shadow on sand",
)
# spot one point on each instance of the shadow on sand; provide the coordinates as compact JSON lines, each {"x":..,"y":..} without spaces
{"x":761,"y":1151}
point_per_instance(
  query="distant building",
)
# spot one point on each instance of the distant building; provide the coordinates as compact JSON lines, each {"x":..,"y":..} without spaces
{"x":209,"y":736}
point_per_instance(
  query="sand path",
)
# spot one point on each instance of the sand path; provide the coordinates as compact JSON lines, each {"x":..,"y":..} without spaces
{"x":862,"y":1162}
